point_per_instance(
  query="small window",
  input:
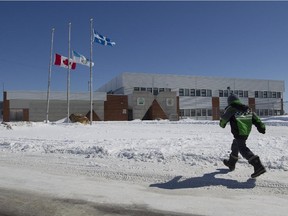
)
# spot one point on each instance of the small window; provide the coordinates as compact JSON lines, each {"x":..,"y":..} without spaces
{"x":256,"y":94}
{"x":274,"y":94}
{"x":220,"y":93}
{"x":186,"y":92}
{"x":181,"y":92}
{"x":203,"y":92}
{"x":209,"y":112}
{"x":246,"y":94}
{"x":209,"y":93}
{"x":240,"y":93}
{"x":260,"y":94}
{"x":269,"y":94}
{"x":204,"y":112}
{"x":198,"y":92}
{"x":149,"y":90}
{"x":143,"y":89}
{"x":192,"y":92}
{"x":225,"y":93}
{"x":278,"y":94}
{"x":193,"y":112}
{"x":187,"y":112}
{"x":265,"y":94}
{"x":155,"y":91}
{"x":161,"y":89}
{"x":136,"y":88}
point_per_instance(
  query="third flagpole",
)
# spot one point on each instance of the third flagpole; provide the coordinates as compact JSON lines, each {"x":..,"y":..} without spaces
{"x":91,"y":72}
{"x":49,"y":75}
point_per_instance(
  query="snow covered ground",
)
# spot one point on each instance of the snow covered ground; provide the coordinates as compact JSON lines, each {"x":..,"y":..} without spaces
{"x":139,"y":166}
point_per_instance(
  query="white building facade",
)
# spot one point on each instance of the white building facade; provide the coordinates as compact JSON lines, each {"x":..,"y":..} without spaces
{"x":203,"y":97}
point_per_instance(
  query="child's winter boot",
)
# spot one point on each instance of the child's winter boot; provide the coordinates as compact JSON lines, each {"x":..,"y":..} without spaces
{"x":231,"y":162}
{"x":258,"y":167}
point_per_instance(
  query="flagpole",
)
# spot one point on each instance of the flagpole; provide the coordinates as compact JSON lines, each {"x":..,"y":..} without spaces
{"x":91,"y":72}
{"x":49,"y":74}
{"x":68,"y":74}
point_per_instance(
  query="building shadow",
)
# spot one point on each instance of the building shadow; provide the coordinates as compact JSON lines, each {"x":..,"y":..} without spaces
{"x":206,"y":180}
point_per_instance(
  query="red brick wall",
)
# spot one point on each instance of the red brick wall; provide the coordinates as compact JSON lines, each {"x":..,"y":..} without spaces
{"x":116,"y":108}
{"x":252,"y":104}
{"x":215,"y":108}
{"x":25,"y":114}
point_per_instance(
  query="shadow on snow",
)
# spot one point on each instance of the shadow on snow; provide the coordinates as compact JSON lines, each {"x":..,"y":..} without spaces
{"x":206,"y":180}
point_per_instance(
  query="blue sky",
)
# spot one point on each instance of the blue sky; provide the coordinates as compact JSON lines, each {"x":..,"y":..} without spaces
{"x":226,"y":39}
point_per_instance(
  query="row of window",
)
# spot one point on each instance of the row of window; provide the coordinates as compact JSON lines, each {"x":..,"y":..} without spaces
{"x":240,"y":93}
{"x":208,"y":112}
{"x":155,"y":91}
{"x":195,"y":112}
{"x":267,"y":94}
{"x":208,"y":92}
{"x":195,"y":92}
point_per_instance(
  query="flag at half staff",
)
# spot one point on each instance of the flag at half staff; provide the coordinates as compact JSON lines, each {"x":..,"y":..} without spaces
{"x":62,"y":61}
{"x":81,"y":59}
{"x":102,"y":39}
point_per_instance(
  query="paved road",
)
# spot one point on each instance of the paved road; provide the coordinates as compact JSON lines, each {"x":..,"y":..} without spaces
{"x":19,"y":203}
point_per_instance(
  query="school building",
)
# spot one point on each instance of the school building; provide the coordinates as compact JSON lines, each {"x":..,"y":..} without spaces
{"x":146,"y":96}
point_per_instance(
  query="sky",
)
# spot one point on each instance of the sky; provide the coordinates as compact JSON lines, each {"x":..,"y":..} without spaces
{"x":203,"y":38}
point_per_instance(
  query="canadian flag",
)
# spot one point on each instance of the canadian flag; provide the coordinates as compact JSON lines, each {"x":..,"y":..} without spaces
{"x":62,"y":61}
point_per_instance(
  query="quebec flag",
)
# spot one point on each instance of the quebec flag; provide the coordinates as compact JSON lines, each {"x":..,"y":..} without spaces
{"x":102,"y":39}
{"x":81,"y":59}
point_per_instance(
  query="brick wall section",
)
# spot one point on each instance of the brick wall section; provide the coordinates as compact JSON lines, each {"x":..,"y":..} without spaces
{"x":252,"y":104}
{"x":215,"y":108}
{"x":116,"y":108}
{"x":25,"y":114}
{"x":155,"y":112}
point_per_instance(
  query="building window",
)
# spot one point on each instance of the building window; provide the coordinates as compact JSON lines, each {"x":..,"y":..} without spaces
{"x":136,"y":89}
{"x":225,"y":93}
{"x":193,"y":112}
{"x":161,"y":89}
{"x":204,"y":112}
{"x":240,"y":93}
{"x":246,"y":94}
{"x":209,"y":112}
{"x":278,"y":94}
{"x":220,"y":93}
{"x":192,"y":92}
{"x":181,"y":92}
{"x":203,"y":92}
{"x":256,"y":94}
{"x":260,"y":94}
{"x":155,"y":91}
{"x":149,"y":90}
{"x":187,"y":112}
{"x":209,"y":93}
{"x":186,"y":92}
{"x":198,"y":92}
{"x":273,"y":94}
{"x":143,"y":89}
{"x":265,"y":94}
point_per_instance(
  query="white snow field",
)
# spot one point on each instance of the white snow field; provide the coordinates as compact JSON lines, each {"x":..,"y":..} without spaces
{"x":139,"y":168}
